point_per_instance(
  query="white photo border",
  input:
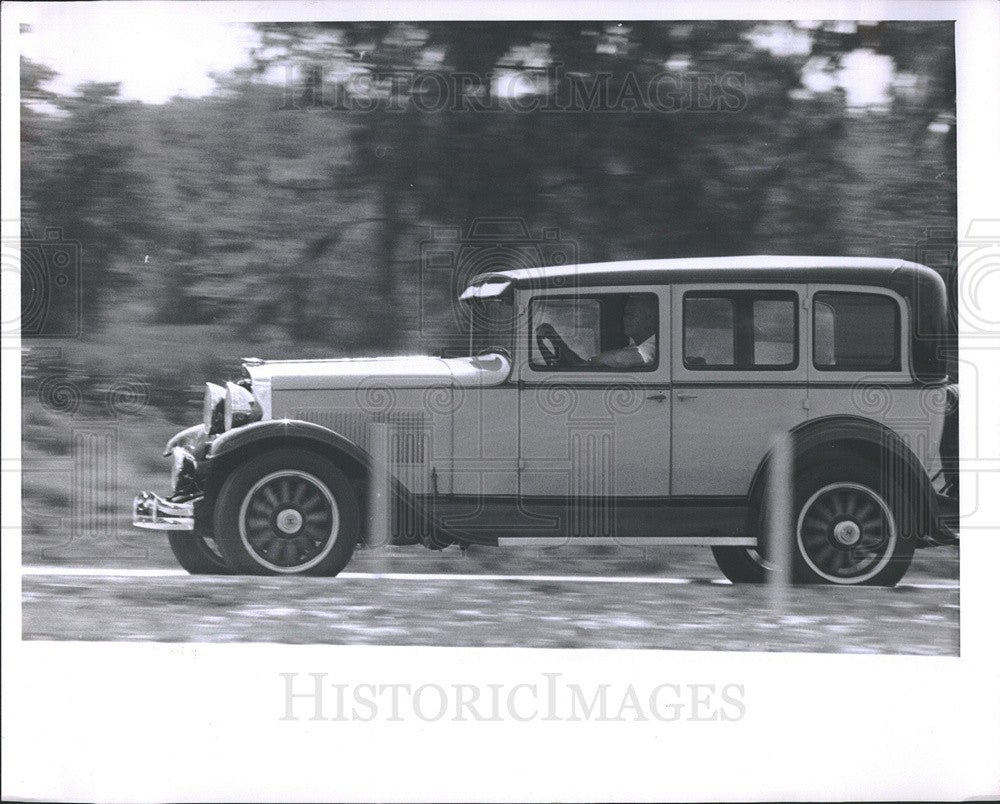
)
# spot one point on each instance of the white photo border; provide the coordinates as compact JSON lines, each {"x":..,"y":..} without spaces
{"x":144,"y":722}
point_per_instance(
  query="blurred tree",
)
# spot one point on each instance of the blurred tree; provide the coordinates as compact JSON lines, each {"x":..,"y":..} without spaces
{"x":78,"y":176}
{"x":290,"y":205}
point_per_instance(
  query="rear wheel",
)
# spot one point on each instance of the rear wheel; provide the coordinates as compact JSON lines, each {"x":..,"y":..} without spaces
{"x":287,"y":512}
{"x":745,"y":564}
{"x":846,"y":532}
{"x":741,"y":564}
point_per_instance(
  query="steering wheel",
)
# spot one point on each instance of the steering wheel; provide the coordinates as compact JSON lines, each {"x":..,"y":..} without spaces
{"x":556,"y":352}
{"x":550,"y":356}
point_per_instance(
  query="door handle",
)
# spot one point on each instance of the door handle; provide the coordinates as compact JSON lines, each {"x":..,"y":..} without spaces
{"x":658,"y":397}
{"x":686,"y":395}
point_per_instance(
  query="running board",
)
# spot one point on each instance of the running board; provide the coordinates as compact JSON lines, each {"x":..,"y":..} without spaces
{"x":626,"y":541}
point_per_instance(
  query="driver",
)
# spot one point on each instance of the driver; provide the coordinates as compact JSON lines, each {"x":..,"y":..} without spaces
{"x":639,"y":323}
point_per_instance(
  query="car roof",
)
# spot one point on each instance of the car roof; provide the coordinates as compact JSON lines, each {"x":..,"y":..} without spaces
{"x":756,"y":268}
{"x":922,"y":287}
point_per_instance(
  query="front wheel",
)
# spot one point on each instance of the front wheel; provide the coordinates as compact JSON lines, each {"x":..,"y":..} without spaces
{"x":287,"y":512}
{"x":198,"y":554}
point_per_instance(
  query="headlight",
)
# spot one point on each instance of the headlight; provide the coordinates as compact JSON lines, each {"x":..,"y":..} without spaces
{"x":185,"y":438}
{"x":240,"y":407}
{"x":177,"y":463}
{"x":181,"y":459}
{"x":212,"y":411}
{"x":183,"y":472}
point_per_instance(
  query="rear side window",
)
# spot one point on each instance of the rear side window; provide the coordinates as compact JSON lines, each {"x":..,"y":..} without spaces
{"x":855,"y":332}
{"x":740,"y":330}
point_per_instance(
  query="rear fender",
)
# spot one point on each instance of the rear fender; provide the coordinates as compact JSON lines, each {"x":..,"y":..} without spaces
{"x":826,"y":439}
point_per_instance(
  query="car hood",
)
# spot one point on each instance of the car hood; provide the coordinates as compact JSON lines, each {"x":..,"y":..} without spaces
{"x":411,"y":371}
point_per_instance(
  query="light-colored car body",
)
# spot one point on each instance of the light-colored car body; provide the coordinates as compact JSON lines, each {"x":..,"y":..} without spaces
{"x":841,"y":357}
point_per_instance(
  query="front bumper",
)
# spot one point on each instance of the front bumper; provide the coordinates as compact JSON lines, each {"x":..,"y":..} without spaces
{"x":152,"y":512}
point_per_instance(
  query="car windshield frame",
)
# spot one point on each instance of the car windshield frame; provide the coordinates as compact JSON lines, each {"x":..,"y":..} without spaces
{"x":491,"y":328}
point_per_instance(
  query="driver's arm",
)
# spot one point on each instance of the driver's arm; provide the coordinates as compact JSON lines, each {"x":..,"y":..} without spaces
{"x":627,"y":357}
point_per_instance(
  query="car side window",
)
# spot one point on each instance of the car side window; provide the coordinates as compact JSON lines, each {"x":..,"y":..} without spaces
{"x":709,"y":334}
{"x":774,"y":332}
{"x":740,"y":330}
{"x":600,"y":332}
{"x":855,"y":332}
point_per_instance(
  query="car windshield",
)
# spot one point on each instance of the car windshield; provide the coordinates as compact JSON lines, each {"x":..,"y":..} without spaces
{"x":492,"y":325}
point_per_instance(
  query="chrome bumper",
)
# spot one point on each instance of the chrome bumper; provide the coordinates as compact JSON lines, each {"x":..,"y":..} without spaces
{"x":152,"y":512}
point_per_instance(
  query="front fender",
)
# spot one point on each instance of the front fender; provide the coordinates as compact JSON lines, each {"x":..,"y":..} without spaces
{"x":241,"y":437}
{"x":226,"y":448}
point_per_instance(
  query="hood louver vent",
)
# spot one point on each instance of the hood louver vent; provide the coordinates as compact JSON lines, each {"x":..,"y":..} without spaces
{"x":407,"y":430}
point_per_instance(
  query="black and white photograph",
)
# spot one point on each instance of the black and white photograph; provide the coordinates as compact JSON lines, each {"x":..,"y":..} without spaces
{"x":462,"y":402}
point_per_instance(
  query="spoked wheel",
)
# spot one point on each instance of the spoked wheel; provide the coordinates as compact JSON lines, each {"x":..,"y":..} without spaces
{"x":287,"y":512}
{"x":289,"y":519}
{"x":845,"y":531}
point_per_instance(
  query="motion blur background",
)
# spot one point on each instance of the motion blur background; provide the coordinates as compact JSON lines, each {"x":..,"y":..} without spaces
{"x":283,"y":208}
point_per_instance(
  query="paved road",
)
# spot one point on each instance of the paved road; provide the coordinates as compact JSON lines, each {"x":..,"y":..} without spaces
{"x":379,"y":604}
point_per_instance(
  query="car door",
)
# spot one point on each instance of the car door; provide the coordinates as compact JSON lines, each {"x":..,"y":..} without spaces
{"x":591,"y":439}
{"x":739,"y":378}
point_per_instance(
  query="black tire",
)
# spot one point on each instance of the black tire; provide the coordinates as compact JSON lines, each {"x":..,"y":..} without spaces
{"x":740,"y":564}
{"x":287,"y":512}
{"x":859,"y":478}
{"x":744,"y":564}
{"x":846,"y":531}
{"x":196,"y":553}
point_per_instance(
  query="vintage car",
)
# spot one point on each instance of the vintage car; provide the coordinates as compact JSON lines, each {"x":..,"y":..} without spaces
{"x":629,"y":403}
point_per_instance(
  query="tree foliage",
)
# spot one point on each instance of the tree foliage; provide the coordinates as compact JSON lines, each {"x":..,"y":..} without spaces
{"x":292,"y":216}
